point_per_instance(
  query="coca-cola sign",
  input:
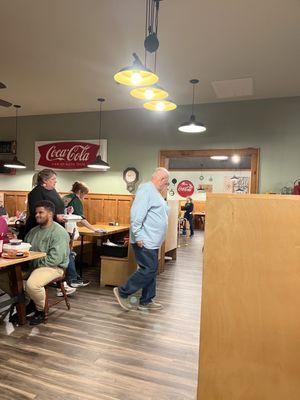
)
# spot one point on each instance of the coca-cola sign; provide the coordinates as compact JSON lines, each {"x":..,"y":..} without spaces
{"x":68,"y":155}
{"x":185,"y":188}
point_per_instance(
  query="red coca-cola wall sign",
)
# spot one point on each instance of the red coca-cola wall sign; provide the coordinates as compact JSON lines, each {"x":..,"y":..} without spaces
{"x":68,"y":155}
{"x":185,"y":188}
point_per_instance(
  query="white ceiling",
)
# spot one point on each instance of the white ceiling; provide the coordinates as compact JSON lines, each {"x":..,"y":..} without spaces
{"x":58,"y":56}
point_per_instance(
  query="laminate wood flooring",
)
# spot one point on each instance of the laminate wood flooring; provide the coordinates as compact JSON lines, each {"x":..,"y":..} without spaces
{"x":97,"y":351}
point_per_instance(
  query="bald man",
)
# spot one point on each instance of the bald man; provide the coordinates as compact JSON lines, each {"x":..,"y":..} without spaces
{"x":149,"y":222}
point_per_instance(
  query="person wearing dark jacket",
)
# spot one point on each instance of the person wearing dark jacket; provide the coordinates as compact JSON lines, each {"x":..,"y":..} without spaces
{"x":188,"y":214}
{"x":44,"y":190}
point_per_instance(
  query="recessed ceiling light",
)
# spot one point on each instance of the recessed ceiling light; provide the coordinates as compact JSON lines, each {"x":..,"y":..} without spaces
{"x":219,"y":158}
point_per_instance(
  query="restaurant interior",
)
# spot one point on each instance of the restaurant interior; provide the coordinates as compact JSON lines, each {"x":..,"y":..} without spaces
{"x":103,"y":94}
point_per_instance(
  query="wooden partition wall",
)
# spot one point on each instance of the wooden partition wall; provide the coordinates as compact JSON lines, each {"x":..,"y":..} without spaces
{"x":250,"y":323}
{"x":97,"y":207}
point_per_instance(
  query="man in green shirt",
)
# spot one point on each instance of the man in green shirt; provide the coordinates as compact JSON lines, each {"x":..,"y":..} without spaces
{"x":51,"y":238}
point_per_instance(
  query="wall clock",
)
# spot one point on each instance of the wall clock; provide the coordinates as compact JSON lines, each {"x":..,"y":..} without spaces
{"x":131,"y":177}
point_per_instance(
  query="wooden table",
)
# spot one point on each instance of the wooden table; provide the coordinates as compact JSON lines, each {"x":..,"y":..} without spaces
{"x":110,"y":230}
{"x":14,"y":266}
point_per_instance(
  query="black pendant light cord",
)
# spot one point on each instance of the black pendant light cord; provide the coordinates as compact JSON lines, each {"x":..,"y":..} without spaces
{"x":193,"y":99}
{"x":151,"y":25}
{"x":101,"y":100}
{"x":194,"y":82}
{"x":16,"y":134}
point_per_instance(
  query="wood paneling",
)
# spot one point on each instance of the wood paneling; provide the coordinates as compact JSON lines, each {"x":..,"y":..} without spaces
{"x":250,"y":300}
{"x":97,"y":207}
{"x":15,"y":201}
{"x":172,"y":232}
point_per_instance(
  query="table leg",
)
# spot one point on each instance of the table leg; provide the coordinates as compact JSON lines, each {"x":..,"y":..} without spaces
{"x":17,"y":289}
{"x":81,"y":255}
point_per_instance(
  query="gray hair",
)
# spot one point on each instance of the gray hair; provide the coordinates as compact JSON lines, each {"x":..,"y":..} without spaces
{"x":160,"y":171}
{"x":44,"y":175}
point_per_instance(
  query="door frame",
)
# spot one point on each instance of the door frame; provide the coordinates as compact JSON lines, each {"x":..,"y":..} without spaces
{"x":165,"y":155}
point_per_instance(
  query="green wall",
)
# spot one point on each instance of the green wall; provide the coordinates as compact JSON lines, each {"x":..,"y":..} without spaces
{"x":136,"y":136}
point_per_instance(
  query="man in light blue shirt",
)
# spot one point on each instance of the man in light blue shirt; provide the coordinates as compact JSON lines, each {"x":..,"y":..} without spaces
{"x":149,"y":222}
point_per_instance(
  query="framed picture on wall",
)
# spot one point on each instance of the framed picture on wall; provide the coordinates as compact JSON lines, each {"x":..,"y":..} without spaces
{"x":8,"y":147}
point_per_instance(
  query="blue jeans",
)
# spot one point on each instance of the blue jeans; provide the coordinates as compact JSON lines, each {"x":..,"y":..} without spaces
{"x":145,"y":277}
{"x":72,"y":275}
{"x":189,"y":218}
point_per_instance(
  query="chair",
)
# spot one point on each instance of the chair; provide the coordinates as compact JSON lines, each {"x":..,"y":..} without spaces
{"x":59,"y":282}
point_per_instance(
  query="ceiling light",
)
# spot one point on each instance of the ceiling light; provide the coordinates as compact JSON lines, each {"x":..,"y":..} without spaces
{"x":219,"y":158}
{"x":98,"y":163}
{"x":235,"y":158}
{"x":149,"y":93}
{"x":192,"y":126}
{"x":136,"y":74}
{"x":161,"y":105}
{"x":15,"y":163}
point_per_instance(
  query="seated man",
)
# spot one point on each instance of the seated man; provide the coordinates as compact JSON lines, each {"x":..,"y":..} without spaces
{"x":51,"y":238}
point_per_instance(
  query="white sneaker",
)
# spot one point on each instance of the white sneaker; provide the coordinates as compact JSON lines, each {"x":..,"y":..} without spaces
{"x":69,"y":290}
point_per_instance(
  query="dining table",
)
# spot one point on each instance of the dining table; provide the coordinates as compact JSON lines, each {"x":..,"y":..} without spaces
{"x":14,"y":267}
{"x":105,"y":231}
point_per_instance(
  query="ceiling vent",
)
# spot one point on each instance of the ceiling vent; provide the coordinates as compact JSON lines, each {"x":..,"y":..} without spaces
{"x":233,"y":88}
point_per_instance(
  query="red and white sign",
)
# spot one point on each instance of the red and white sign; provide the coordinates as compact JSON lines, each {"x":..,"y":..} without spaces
{"x":68,"y":155}
{"x":185,"y":188}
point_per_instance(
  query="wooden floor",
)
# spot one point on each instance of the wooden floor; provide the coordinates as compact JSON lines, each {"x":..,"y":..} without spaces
{"x":97,"y":351}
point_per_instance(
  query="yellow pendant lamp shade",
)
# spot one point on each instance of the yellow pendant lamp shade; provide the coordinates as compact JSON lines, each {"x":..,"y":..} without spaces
{"x":160,"y":105}
{"x":149,"y":93}
{"x":136,"y":75}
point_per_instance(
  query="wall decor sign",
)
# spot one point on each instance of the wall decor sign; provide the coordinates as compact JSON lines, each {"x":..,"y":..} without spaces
{"x":239,"y":185}
{"x":185,"y":188}
{"x":204,"y":188}
{"x":68,"y":155}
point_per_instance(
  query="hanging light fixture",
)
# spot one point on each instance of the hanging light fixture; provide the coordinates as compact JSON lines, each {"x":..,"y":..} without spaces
{"x":136,"y":74}
{"x":160,"y":105}
{"x":219,"y":158}
{"x":149,"y":93}
{"x":98,"y":163}
{"x":15,"y":163}
{"x":192,"y":126}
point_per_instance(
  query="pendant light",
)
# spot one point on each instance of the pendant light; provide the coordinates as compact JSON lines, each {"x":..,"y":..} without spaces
{"x":192,"y":126}
{"x":136,"y":74}
{"x":160,"y":105}
{"x":15,"y":163}
{"x":149,"y":93}
{"x":98,"y":163}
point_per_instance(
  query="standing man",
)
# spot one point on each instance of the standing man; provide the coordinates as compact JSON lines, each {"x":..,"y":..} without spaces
{"x":149,"y":221}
